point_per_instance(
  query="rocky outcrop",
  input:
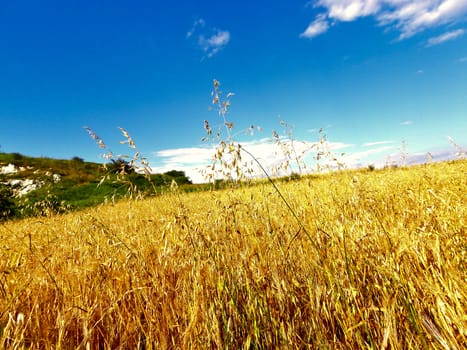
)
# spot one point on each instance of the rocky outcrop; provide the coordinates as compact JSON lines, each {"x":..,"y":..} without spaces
{"x":21,"y":187}
{"x":8,"y":169}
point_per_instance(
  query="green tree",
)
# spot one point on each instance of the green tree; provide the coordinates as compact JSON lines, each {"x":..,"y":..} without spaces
{"x":120,"y":166}
{"x":179,"y":176}
{"x":77,"y":159}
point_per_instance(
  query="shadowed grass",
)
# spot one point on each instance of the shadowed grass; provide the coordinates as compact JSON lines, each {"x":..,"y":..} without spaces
{"x":386,"y":268}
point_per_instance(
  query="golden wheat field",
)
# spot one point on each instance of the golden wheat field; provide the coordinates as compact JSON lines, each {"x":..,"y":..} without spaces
{"x":376,"y":260}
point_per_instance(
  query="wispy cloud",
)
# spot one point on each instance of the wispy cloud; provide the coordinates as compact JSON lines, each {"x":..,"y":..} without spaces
{"x":349,"y":10}
{"x":197,"y":23}
{"x":462,"y":60}
{"x":216,"y":42}
{"x":317,"y":27}
{"x":408,"y":17}
{"x":192,"y":155}
{"x":377,"y":143}
{"x":190,"y":160}
{"x":448,"y":36}
{"x":356,"y":159}
{"x":406,"y":122}
{"x":211,"y":40}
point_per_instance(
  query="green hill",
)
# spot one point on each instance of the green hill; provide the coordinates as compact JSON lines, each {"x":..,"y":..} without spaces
{"x":41,"y":186}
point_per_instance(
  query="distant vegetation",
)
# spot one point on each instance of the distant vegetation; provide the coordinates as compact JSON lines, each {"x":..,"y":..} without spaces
{"x":79,"y":185}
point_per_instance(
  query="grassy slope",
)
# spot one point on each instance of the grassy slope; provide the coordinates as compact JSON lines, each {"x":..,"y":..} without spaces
{"x":76,"y":170}
{"x":383,"y":264}
{"x":79,"y":185}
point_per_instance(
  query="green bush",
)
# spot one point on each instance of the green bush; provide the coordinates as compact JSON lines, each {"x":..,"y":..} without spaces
{"x":7,"y":206}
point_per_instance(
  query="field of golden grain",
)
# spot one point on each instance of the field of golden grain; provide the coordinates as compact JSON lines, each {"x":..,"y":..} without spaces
{"x":375,"y":260}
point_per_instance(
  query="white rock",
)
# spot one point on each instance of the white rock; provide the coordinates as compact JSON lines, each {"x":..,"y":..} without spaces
{"x":28,"y":186}
{"x":8,"y":169}
{"x":22,"y":187}
{"x":15,"y":182}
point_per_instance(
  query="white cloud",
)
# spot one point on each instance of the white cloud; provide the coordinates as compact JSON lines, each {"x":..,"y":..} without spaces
{"x":406,"y":122}
{"x":193,"y":160}
{"x":462,"y":59}
{"x":214,"y":43}
{"x":409,"y":17}
{"x":197,"y":23}
{"x":349,"y":10}
{"x":454,"y":34}
{"x":210,"y":41}
{"x":377,"y":143}
{"x":317,"y":27}
{"x":192,"y":155}
{"x":358,"y":158}
{"x":190,"y":160}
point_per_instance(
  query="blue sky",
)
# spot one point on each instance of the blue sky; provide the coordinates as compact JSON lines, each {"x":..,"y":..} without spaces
{"x":370,"y":72}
